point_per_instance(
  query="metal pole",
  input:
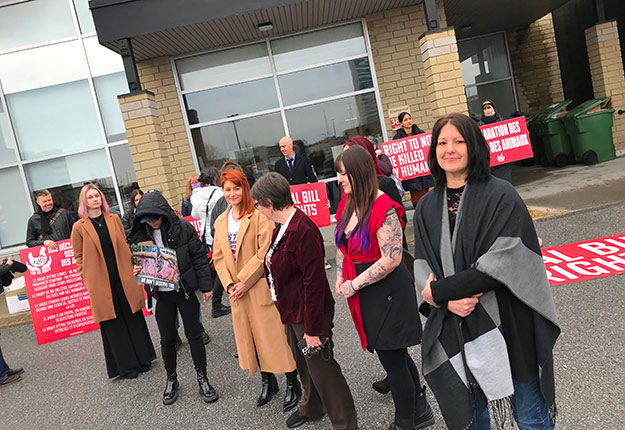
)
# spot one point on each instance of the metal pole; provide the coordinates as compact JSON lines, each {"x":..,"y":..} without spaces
{"x":431,"y":15}
{"x":130,"y":65}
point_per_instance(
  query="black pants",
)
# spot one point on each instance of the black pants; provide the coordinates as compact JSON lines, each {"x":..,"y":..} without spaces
{"x":400,"y":368}
{"x":218,"y":289}
{"x":167,"y":307}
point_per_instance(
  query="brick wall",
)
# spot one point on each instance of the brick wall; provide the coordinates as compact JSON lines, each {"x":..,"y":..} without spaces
{"x":394,"y":37}
{"x":156,"y":75}
{"x":606,"y":69}
{"x":535,"y":65}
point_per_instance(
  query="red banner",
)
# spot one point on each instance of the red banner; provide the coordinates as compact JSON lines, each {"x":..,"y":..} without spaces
{"x":508,"y":141}
{"x":58,"y":298}
{"x":196,"y":223}
{"x":312,"y":199}
{"x":580,"y":261}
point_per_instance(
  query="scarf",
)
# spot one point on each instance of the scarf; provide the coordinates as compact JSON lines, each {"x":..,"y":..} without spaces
{"x":45,"y":219}
{"x":493,"y":233}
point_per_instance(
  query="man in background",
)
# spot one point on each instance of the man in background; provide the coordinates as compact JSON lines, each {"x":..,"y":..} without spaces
{"x":49,"y":223}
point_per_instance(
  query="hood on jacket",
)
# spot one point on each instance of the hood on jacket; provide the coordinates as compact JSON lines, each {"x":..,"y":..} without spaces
{"x":494,"y":117}
{"x":153,"y":203}
{"x":401,"y":133}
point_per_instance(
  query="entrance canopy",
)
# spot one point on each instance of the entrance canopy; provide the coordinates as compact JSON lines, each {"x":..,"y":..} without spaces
{"x":168,"y":28}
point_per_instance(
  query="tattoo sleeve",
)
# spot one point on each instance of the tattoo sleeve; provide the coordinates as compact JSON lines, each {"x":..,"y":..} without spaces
{"x":339,"y":264}
{"x":389,"y":237}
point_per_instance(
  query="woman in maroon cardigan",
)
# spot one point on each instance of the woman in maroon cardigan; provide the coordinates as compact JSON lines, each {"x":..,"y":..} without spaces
{"x":300,"y":289}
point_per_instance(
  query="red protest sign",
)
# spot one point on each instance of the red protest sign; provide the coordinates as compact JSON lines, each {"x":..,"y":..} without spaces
{"x":312,"y":199}
{"x":589,"y":259}
{"x":196,"y":223}
{"x":58,"y":298}
{"x":508,"y":141}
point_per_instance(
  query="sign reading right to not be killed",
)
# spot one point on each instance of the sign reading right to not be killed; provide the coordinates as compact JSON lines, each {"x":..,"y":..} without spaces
{"x":508,"y":141}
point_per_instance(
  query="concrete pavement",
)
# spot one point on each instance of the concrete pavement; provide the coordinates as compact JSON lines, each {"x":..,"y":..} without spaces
{"x":65,"y":384}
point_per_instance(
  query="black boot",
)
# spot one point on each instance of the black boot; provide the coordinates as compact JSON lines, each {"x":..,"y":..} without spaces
{"x":293,"y":391}
{"x":171,"y":389}
{"x":423,"y":416}
{"x":209,"y":395}
{"x":205,"y":337}
{"x":269,"y":388}
{"x":382,"y":386}
{"x":220,"y":310}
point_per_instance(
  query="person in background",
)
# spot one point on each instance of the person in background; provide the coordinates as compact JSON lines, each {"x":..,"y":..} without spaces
{"x":296,"y":168}
{"x":49,"y":224}
{"x":157,"y":223}
{"x":378,"y":287}
{"x":386,"y":166}
{"x":129,"y":216}
{"x":7,"y":268}
{"x":242,"y":238}
{"x":491,"y":319}
{"x":416,"y":186}
{"x":299,"y":287}
{"x":186,"y":207}
{"x":489,"y":116}
{"x":203,"y":200}
{"x":105,"y":265}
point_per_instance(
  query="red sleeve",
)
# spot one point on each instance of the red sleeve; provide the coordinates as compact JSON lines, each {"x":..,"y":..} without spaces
{"x":339,"y":210}
{"x":380,"y":207}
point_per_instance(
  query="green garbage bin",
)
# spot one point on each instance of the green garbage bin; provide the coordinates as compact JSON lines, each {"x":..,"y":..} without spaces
{"x":591,"y":132}
{"x":556,"y":143}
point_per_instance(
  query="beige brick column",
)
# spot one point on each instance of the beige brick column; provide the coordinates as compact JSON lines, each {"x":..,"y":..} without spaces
{"x":443,"y":77}
{"x":150,"y":152}
{"x":535,"y":64}
{"x":606,"y":69}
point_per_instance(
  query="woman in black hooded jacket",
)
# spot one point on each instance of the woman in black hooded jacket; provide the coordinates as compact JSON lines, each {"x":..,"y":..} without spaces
{"x":490,"y":116}
{"x":156,"y":221}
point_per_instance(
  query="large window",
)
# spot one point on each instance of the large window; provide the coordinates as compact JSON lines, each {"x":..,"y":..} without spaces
{"x":60,"y":121}
{"x":316,"y":87}
{"x":486,"y":73}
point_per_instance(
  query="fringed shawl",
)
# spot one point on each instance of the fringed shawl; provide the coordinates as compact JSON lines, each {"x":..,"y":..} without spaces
{"x":493,"y":233}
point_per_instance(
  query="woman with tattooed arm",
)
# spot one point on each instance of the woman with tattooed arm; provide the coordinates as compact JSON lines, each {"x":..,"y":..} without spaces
{"x":379,"y":289}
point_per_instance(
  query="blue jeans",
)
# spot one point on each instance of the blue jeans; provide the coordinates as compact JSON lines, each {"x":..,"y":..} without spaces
{"x":4,"y":367}
{"x":530,"y":409}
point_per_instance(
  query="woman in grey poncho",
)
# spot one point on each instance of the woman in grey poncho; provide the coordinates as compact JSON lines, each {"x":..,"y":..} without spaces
{"x":481,"y":282}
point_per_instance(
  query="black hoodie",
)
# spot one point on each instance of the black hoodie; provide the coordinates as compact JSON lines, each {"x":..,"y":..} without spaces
{"x":178,"y":234}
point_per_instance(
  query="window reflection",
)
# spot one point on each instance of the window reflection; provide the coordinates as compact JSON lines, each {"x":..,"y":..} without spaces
{"x":223,"y":67}
{"x":252,"y":142}
{"x":320,"y":82}
{"x":54,"y":120}
{"x":85,"y":19}
{"x":318,"y":47}
{"x":501,"y":93}
{"x":65,"y":176}
{"x":238,"y":99}
{"x":483,"y":59}
{"x":107,"y":88}
{"x":124,"y":172}
{"x":7,"y":148}
{"x":47,"y":20}
{"x":322,"y":126}
{"x":15,"y":208}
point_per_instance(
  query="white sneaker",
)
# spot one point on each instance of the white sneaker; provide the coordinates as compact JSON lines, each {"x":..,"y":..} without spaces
{"x":327,"y":265}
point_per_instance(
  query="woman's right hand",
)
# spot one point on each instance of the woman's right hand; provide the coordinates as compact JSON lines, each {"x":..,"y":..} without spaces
{"x":136,"y":270}
{"x":337,"y":285}
{"x":463,"y":307}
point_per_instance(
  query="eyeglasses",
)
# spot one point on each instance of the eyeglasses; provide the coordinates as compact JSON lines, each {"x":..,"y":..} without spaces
{"x":256,"y":204}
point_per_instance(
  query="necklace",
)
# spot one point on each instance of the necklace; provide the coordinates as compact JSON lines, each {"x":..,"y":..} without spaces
{"x":95,"y":220}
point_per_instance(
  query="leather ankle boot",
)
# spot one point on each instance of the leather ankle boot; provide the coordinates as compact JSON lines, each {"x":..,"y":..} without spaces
{"x":269,"y":388}
{"x":292,"y":393}
{"x":423,"y":416}
{"x":171,"y":389}
{"x":209,"y":395}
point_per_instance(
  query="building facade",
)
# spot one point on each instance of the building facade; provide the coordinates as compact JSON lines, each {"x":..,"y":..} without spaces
{"x":196,"y":85}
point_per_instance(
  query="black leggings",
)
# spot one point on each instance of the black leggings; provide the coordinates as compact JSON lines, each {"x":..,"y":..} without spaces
{"x":401,"y":369}
{"x":167,"y":306}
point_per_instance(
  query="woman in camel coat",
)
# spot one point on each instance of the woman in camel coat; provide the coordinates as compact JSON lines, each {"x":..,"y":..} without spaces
{"x":242,"y":238}
{"x":104,"y":263}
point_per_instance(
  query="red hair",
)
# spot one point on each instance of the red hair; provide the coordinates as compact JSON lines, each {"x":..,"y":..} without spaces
{"x":239,"y":179}
{"x":365,"y":143}
{"x":82,"y":200}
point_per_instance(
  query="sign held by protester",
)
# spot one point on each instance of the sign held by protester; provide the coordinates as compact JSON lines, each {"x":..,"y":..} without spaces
{"x":581,"y":261}
{"x":394,"y":112}
{"x":58,"y":298}
{"x":508,"y":141}
{"x":312,"y":199}
{"x":196,"y":223}
{"x":159,"y":266}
